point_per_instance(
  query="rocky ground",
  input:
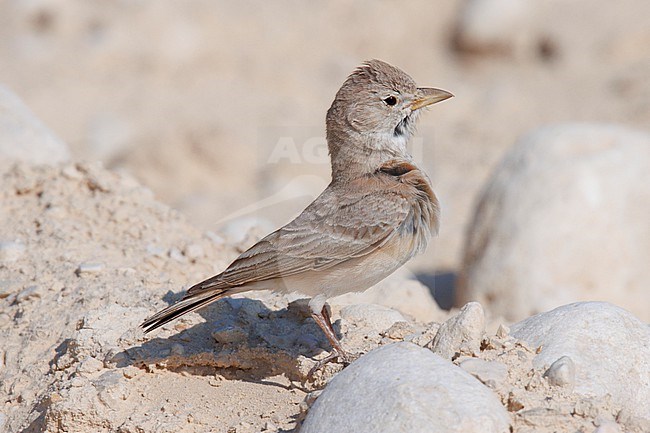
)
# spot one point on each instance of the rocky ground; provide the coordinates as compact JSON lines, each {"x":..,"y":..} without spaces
{"x":87,"y":254}
{"x":209,"y":136}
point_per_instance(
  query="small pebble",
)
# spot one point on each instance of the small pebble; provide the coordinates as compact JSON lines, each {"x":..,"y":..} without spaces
{"x":229,"y":334}
{"x":130,"y":372}
{"x":491,"y":373}
{"x":194,"y":252}
{"x":460,"y":334}
{"x":71,"y":172}
{"x":90,"y":268}
{"x":90,"y":365}
{"x":176,"y":254}
{"x":78,"y":382}
{"x":4,"y":319}
{"x":398,"y":331}
{"x":562,"y":372}
{"x":31,"y":292}
{"x":503,"y":331}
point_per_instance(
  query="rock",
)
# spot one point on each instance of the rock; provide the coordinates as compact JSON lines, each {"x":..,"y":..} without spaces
{"x":490,"y":373}
{"x":603,"y":341}
{"x":194,"y":252}
{"x":89,"y":365}
{"x":363,"y":326}
{"x":401,"y":291}
{"x":176,"y":254}
{"x":404,"y":388}
{"x":23,"y":137}
{"x":562,"y":372}
{"x":90,"y":268}
{"x":375,"y":317}
{"x":31,"y":292}
{"x":460,"y":334}
{"x":502,"y":331}
{"x":505,"y":27}
{"x":399,"y":331}
{"x":538,"y":235}
{"x":229,"y":333}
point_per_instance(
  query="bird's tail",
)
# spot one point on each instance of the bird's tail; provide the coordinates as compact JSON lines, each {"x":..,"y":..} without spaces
{"x":188,"y":304}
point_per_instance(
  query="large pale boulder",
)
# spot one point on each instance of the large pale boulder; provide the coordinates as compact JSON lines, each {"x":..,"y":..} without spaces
{"x":400,"y":291}
{"x":607,"y":346}
{"x":23,"y":137}
{"x":404,"y":388}
{"x":564,"y":218}
{"x":505,"y":27}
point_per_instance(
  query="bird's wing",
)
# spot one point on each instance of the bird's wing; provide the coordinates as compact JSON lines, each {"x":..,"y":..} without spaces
{"x":333,"y":229}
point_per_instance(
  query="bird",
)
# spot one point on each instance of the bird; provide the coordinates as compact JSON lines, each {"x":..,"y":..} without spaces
{"x":378,"y":211}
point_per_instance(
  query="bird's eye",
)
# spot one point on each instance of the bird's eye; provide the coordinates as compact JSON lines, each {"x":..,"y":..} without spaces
{"x":391,"y":100}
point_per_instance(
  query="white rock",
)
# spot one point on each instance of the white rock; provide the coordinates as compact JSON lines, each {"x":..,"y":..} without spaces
{"x":31,"y":292}
{"x":194,"y":252}
{"x":90,"y":268}
{"x":401,"y":291}
{"x":404,"y":388}
{"x":502,"y":331}
{"x":562,"y":372}
{"x":609,"y":347}
{"x":497,"y":26}
{"x":371,"y":316}
{"x":491,"y":373}
{"x":564,"y":218}
{"x":461,"y":333}
{"x":23,"y":137}
{"x":89,"y":365}
{"x":176,"y":254}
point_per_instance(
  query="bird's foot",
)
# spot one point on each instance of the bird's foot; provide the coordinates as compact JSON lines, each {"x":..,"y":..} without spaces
{"x":344,"y":358}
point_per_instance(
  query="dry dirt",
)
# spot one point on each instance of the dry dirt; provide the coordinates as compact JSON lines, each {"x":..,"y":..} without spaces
{"x":192,"y":99}
{"x":92,"y":254}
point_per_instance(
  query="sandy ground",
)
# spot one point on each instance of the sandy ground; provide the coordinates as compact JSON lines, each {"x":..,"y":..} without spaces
{"x":92,"y":254}
{"x":218,"y":109}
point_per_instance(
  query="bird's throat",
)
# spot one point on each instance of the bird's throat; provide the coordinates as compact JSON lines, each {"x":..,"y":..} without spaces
{"x":353,"y":161}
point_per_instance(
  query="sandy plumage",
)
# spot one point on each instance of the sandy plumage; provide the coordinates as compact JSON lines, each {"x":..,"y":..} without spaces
{"x":376,"y":214}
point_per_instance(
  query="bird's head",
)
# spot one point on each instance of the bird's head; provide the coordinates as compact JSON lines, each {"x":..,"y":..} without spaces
{"x":376,"y":110}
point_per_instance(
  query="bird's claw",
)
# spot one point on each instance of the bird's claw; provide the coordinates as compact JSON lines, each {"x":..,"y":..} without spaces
{"x":342,"y":357}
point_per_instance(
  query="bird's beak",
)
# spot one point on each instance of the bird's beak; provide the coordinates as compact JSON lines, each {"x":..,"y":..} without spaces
{"x":427,"y":96}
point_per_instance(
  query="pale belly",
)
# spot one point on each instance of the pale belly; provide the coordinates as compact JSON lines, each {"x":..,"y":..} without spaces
{"x":353,"y":275}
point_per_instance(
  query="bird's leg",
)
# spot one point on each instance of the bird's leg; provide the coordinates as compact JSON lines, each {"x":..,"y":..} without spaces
{"x":324,"y":322}
{"x":322,"y":319}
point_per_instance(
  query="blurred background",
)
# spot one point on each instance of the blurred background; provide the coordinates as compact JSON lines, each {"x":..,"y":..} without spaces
{"x":219,"y":107}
